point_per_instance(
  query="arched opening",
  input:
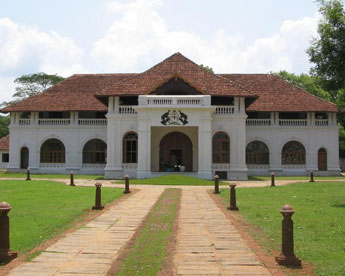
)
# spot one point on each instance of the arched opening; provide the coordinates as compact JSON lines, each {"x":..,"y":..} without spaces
{"x":130,"y":148}
{"x":176,"y":153}
{"x":322,"y":159}
{"x":95,"y":152}
{"x":257,"y":153}
{"x":293,"y":153}
{"x":221,"y":148}
{"x":53,"y":151}
{"x":24,"y":158}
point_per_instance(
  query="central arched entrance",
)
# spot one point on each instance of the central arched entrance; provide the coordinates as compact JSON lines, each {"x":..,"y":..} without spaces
{"x":175,"y":151}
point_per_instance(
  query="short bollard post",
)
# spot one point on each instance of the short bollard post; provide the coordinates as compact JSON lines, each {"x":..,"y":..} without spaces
{"x":98,"y":201}
{"x":272,"y":180}
{"x":287,"y":256}
{"x":5,"y":254}
{"x":233,"y":206}
{"x":28,"y":178}
{"x":126,"y":191}
{"x":216,"y":184}
{"x":71,"y":179}
{"x":311,"y":177}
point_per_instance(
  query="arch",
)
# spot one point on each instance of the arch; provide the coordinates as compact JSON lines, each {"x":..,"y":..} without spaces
{"x":221,"y":148}
{"x":95,"y":152}
{"x":322,"y":159}
{"x":176,"y":152}
{"x":257,"y":153}
{"x":293,"y":153}
{"x":24,"y":158}
{"x":130,"y":147}
{"x":52,"y":151}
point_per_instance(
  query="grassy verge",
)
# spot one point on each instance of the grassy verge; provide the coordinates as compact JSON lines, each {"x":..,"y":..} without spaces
{"x":149,"y":250}
{"x":319,"y":225}
{"x":302,"y":178}
{"x":43,"y":209}
{"x":50,"y":176}
{"x":172,"y":180}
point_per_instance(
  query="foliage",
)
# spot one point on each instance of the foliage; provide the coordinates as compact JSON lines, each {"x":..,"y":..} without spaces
{"x":327,"y":51}
{"x":43,"y":209}
{"x":4,"y":122}
{"x":147,"y":256}
{"x":319,"y":227}
{"x":208,"y":68}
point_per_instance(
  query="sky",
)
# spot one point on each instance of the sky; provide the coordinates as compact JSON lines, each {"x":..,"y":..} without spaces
{"x":67,"y":37}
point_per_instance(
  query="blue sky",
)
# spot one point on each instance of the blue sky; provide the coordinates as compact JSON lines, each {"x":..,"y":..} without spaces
{"x":88,"y":36}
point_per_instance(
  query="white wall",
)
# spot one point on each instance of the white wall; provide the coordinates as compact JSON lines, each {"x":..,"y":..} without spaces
{"x":3,"y":165}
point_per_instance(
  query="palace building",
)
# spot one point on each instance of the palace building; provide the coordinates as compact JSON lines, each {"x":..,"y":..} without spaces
{"x":176,"y":117}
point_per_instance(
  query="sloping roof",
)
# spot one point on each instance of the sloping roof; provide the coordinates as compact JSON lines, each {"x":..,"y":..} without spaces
{"x":276,"y":94}
{"x":176,"y":66}
{"x":5,"y":143}
{"x":75,"y":93}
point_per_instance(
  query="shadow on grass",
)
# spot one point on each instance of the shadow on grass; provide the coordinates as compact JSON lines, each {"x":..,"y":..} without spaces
{"x":256,"y":178}
{"x":339,"y":205}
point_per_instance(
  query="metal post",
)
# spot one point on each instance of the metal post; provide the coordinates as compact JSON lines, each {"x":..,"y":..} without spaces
{"x":287,"y":256}
{"x":216,"y":184}
{"x":126,"y":191}
{"x":233,"y":206}
{"x":5,"y":254}
{"x":71,"y":183}
{"x":272,"y":180}
{"x":311,"y":177}
{"x":98,"y":200}
{"x":28,"y":175}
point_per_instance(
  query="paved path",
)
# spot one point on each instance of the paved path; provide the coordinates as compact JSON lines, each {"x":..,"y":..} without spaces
{"x":92,"y":249}
{"x":207,"y":242}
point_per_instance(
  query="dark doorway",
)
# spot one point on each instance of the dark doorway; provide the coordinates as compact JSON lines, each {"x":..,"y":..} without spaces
{"x":175,"y":153}
{"x":24,"y":158}
{"x":322,"y":159}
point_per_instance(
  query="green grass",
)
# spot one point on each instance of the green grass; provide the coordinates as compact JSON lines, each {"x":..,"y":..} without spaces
{"x":319,"y":224}
{"x":302,"y":178}
{"x":50,"y":176}
{"x":43,"y":209}
{"x":172,"y":179}
{"x":148,"y":253}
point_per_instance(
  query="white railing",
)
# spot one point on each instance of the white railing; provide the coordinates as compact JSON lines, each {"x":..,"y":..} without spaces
{"x":184,"y":100}
{"x":129,"y":166}
{"x":92,"y":122}
{"x":221,"y":166}
{"x":224,"y":110}
{"x":258,"y":167}
{"x":188,"y":101}
{"x":93,"y":166}
{"x":24,"y":122}
{"x":127,"y":110}
{"x":294,"y":167}
{"x":52,"y":165}
{"x":321,"y":122}
{"x":258,"y":122}
{"x":54,"y":122}
{"x":292,"y":122}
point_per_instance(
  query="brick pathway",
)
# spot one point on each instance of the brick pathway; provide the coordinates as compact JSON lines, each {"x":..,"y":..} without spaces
{"x":207,"y":243}
{"x":92,"y":249}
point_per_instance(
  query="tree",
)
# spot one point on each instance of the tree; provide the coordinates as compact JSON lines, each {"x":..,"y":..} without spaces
{"x":327,"y":51}
{"x":4,"y":122}
{"x":33,"y":84}
{"x":208,"y":68}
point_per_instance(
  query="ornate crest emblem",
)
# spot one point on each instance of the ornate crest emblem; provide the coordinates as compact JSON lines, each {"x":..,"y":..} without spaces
{"x":173,"y":117}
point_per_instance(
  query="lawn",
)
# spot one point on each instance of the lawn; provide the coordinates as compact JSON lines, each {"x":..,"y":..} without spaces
{"x":43,"y":209}
{"x":302,"y":178}
{"x":149,"y":250}
{"x":172,"y":179}
{"x":319,"y":224}
{"x":51,"y":176}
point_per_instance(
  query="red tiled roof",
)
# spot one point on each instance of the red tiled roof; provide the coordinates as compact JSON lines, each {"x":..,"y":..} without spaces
{"x":276,"y":94}
{"x":176,"y":66}
{"x":75,"y":93}
{"x":5,"y":143}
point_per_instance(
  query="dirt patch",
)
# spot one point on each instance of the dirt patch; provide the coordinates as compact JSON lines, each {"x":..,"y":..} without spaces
{"x":268,"y":259}
{"x":85,"y":218}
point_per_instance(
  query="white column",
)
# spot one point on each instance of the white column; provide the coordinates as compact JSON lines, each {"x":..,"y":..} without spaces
{"x":205,"y":145}
{"x":144,"y":145}
{"x":275,"y":157}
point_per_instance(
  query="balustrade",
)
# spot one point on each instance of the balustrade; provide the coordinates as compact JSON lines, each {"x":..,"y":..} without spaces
{"x":24,"y":122}
{"x":292,"y":122}
{"x":224,"y":110}
{"x":258,"y":122}
{"x":127,"y":110}
{"x":92,"y":122}
{"x":54,"y":122}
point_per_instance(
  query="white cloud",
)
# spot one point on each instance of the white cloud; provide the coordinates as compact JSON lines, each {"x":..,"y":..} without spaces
{"x":7,"y":89}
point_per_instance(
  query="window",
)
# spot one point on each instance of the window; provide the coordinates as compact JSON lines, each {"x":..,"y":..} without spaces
{"x":53,"y":151}
{"x":293,"y":153}
{"x":95,"y":152}
{"x":257,"y":153}
{"x":5,"y":157}
{"x":130,"y":148}
{"x":221,"y":148}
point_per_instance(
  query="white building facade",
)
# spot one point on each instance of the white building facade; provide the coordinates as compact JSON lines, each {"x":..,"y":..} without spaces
{"x":174,"y":118}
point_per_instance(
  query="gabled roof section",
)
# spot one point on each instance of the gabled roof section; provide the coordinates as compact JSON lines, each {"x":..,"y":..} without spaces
{"x":75,"y":93}
{"x":276,"y":94}
{"x":5,"y":143}
{"x":176,"y":66}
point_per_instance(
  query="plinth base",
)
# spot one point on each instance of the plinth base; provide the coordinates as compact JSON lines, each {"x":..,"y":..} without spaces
{"x":7,"y":257}
{"x":72,"y":185}
{"x":289,"y":261}
{"x":126,"y":192}
{"x":216,"y":192}
{"x":232,"y":208}
{"x":97,"y":207}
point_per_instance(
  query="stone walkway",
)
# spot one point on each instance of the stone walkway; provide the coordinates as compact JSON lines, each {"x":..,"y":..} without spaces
{"x":92,"y":249}
{"x":207,"y":243}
